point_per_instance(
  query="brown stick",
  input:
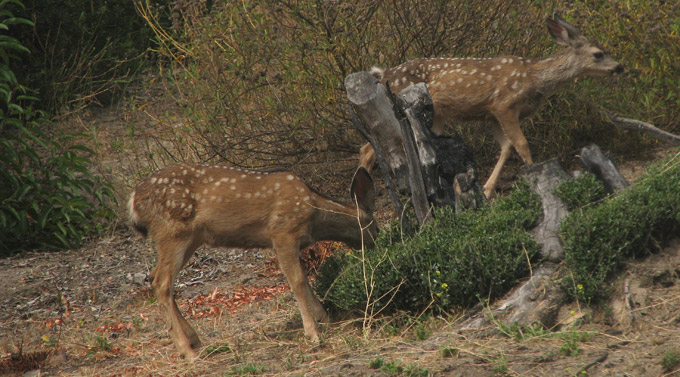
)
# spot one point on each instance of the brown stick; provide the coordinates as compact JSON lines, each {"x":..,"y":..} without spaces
{"x":644,"y":127}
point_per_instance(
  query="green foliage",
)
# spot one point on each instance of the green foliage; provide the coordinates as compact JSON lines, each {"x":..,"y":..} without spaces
{"x":449,"y":351}
{"x":670,"y":360}
{"x":454,"y":261}
{"x":217,"y":348}
{"x":247,"y":370}
{"x":631,"y":224}
{"x":579,"y":192}
{"x":395,"y":368}
{"x":81,"y":51}
{"x":572,"y":339}
{"x":48,"y":197}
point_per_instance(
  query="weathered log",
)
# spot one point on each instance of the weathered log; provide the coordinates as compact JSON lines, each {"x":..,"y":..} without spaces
{"x":544,"y":177}
{"x":603,"y":167}
{"x":403,"y":109}
{"x":418,"y":109}
{"x":399,"y":209}
{"x":372,"y":105}
{"x":536,"y":301}
{"x":456,"y":170}
{"x":539,"y":299}
{"x":442,"y":158}
{"x":423,"y":164}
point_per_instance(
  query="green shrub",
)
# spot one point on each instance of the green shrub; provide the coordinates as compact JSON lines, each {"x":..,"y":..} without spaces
{"x":670,"y":360}
{"x":48,"y":197}
{"x":633,"y":223}
{"x":579,"y":192}
{"x":456,"y":260}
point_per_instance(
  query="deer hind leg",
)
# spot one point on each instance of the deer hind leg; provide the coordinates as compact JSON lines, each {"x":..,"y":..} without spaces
{"x":287,"y":251}
{"x":172,"y":255}
{"x":505,"y":145}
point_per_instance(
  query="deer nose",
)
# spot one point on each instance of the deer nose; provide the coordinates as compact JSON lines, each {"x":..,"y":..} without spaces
{"x":618,"y":69}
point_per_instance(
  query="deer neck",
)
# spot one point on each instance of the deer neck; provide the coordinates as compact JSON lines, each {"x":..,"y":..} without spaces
{"x":335,"y":222}
{"x":554,"y":71}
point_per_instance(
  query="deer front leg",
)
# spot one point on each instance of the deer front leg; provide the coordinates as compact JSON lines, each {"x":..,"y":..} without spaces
{"x":287,"y":251}
{"x":505,"y":145}
{"x":171,"y":256}
{"x":507,"y":133}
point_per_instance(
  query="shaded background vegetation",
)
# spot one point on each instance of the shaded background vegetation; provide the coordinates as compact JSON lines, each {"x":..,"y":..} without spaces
{"x":261,"y":81}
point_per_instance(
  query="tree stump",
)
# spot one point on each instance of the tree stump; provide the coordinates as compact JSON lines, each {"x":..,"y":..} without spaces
{"x":423,"y":164}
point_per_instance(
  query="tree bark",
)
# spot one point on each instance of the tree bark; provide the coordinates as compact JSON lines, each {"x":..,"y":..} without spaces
{"x":372,"y":105}
{"x":544,"y":178}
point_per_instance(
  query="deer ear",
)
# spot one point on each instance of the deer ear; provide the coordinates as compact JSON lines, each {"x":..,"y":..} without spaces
{"x":561,"y":31}
{"x":362,"y":187}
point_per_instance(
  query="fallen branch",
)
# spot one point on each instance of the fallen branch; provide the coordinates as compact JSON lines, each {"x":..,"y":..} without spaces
{"x":644,"y":127}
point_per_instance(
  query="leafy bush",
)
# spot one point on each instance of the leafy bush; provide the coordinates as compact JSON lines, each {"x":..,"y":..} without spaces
{"x":456,"y":260}
{"x":631,"y":224}
{"x":261,"y":80}
{"x":48,"y":197}
{"x":579,"y":192}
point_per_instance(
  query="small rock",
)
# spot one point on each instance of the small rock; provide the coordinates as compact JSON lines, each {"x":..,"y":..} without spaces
{"x":138,"y":278}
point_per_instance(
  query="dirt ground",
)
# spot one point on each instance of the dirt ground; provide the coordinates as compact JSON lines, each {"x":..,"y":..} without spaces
{"x":90,"y":312}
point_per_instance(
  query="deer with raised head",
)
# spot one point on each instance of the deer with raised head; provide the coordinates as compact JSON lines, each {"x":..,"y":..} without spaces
{"x":184,"y":206}
{"x":506,"y":88}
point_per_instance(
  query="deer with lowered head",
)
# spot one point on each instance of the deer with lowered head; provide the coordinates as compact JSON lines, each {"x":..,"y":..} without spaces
{"x":184,"y":206}
{"x":505,"y":88}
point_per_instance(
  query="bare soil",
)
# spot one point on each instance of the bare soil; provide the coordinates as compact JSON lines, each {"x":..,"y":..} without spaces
{"x":89,"y":312}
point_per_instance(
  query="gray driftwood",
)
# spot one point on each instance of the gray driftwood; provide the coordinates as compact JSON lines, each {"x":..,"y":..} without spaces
{"x":603,"y":167}
{"x":434,"y":170}
{"x":372,"y":105}
{"x":404,"y":108}
{"x":538,"y":300}
{"x":544,"y":178}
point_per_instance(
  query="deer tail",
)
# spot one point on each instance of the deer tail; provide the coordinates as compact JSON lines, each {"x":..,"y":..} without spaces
{"x":135,"y":219}
{"x":377,"y":72}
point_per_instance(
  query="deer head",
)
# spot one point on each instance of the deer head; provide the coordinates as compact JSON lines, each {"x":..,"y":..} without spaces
{"x":587,"y":57}
{"x":185,"y":205}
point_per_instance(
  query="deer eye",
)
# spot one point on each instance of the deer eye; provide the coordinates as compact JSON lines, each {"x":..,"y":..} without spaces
{"x":598,"y":55}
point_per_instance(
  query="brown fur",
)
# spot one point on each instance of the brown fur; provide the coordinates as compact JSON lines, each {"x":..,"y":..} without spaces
{"x":185,"y":205}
